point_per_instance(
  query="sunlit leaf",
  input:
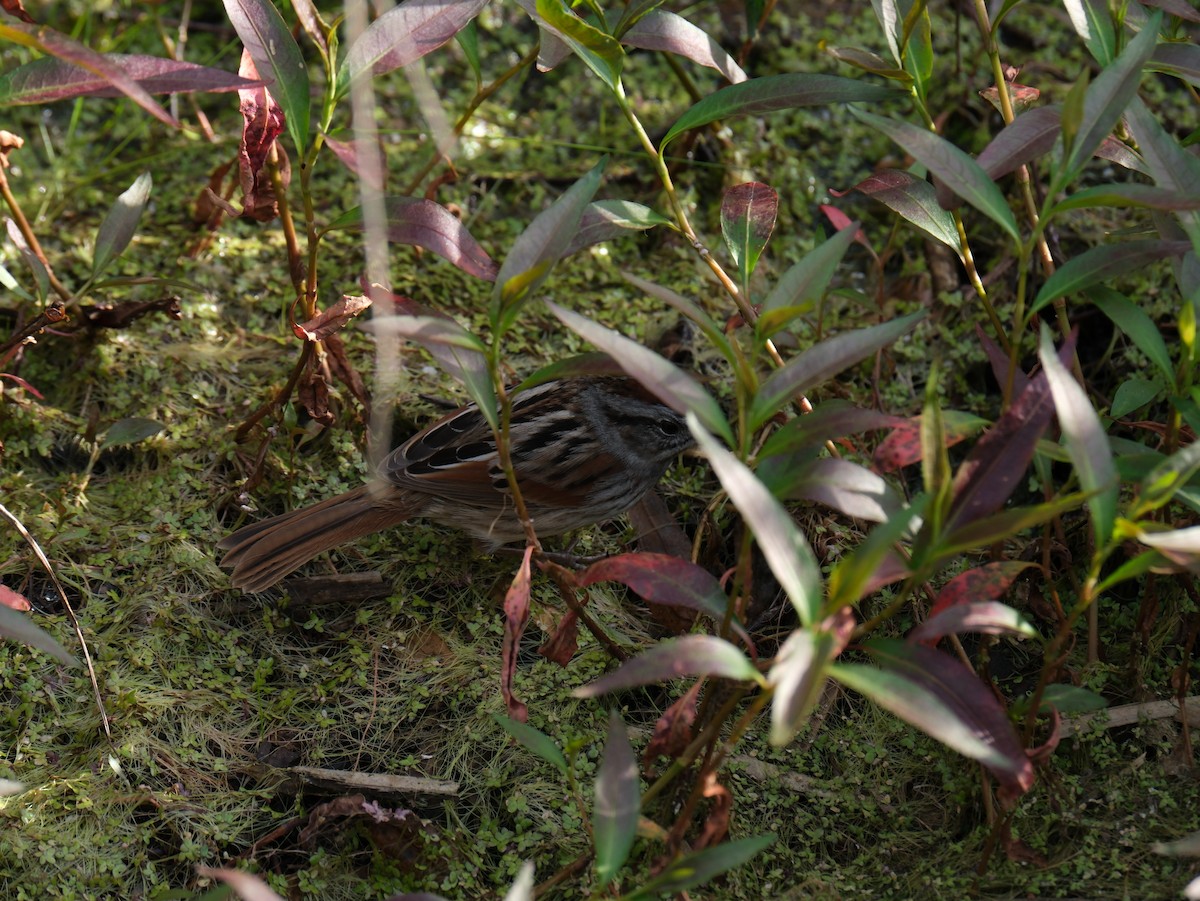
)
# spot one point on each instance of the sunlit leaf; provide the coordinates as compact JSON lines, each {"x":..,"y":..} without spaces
{"x":119,"y":226}
{"x":601,"y":52}
{"x":666,"y":31}
{"x":915,"y":200}
{"x":986,"y":617}
{"x":48,"y":80}
{"x":841,"y":484}
{"x":607,"y":219}
{"x":404,"y":34}
{"x":1029,"y":136}
{"x":799,"y":672}
{"x":747,"y":219}
{"x":690,"y":655}
{"x":1093,"y":23}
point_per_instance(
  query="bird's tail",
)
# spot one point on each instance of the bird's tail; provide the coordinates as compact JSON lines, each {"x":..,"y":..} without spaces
{"x":261,"y":554}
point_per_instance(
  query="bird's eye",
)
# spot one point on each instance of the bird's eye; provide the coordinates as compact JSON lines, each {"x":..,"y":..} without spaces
{"x":670,"y":427}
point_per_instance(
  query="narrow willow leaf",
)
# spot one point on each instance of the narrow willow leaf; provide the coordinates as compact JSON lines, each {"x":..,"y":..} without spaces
{"x":915,"y":201}
{"x":854,"y":576}
{"x":798,"y":674}
{"x":601,"y":52}
{"x":985,"y":617}
{"x":774,"y":92}
{"x":696,"y":869}
{"x":1093,"y":23}
{"x":1085,"y":440}
{"x":534,"y":741}
{"x":404,"y":34}
{"x":604,"y":220}
{"x":1129,"y":195}
{"x":48,"y":80}
{"x":618,"y":802}
{"x":1136,"y":325}
{"x":955,"y":168}
{"x":1028,"y":137}
{"x":663,"y":379}
{"x":119,"y":226}
{"x":1133,"y":394}
{"x":845,"y":486}
{"x":666,"y":31}
{"x":1072,"y":699}
{"x":130,"y":431}
{"x":712,"y":331}
{"x":806,"y":281}
{"x":823,"y":361}
{"x":277,"y":57}
{"x":788,"y":554}
{"x":1103,"y":263}
{"x":691,"y":655}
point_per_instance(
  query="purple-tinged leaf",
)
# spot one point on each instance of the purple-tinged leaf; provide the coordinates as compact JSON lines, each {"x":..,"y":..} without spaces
{"x":119,"y":226}
{"x":1102,"y":264}
{"x":52,"y":43}
{"x":663,"y":579}
{"x":774,"y":92}
{"x":539,"y":247}
{"x":869,"y":62}
{"x":662,"y":30}
{"x":347,"y":154}
{"x":1115,"y":152}
{"x":618,"y":803}
{"x":1000,"y":363}
{"x":985,"y":617}
{"x":1085,"y":440}
{"x":830,"y":421}
{"x":405,"y":33}
{"x":955,"y":168}
{"x":983,"y":583}
{"x":607,"y":219}
{"x":277,"y":58}
{"x":914,"y":199}
{"x":942,"y":697}
{"x":691,"y":655}
{"x":1180,"y":60}
{"x":903,"y":446}
{"x":1169,"y":164}
{"x":601,"y":52}
{"x":712,"y":331}
{"x":823,"y":361}
{"x":693,"y":870}
{"x":799,"y":672}
{"x":20,"y":627}
{"x":747,"y":219}
{"x":846,"y":487}
{"x":1129,"y":195}
{"x":1107,"y":96}
{"x":48,"y":80}
{"x":787,"y":552}
{"x":804,"y":283}
{"x":1180,"y":8}
{"x":1029,"y":136}
{"x":663,"y":379}
{"x":310,"y":21}
{"x":423,"y":223}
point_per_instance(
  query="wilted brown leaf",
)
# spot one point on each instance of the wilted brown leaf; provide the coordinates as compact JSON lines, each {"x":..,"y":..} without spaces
{"x":263,"y":122}
{"x":332,"y":319}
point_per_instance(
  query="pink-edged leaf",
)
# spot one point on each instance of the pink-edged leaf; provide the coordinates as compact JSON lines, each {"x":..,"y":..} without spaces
{"x":953,"y":166}
{"x":618,"y":802}
{"x":940,"y":696}
{"x":347,"y":154}
{"x":840,"y":220}
{"x":22,"y":384}
{"x":1131,"y":195}
{"x":983,"y":583}
{"x":1000,"y":363}
{"x":804,"y":283}
{"x":914,"y":199}
{"x":1085,"y":439}
{"x":666,"y":31}
{"x":48,"y":80}
{"x":987,"y":617}
{"x":19,"y":627}
{"x":406,"y":33}
{"x":868,"y":62}
{"x":540,"y":246}
{"x":52,"y":43}
{"x":423,"y":223}
{"x":1029,"y":136}
{"x":13,"y":600}
{"x":662,"y":579}
{"x":774,"y":92}
{"x":845,"y":486}
{"x":663,"y":379}
{"x":604,"y":220}
{"x":277,"y":58}
{"x":747,"y":219}
{"x":799,"y":672}
{"x":262,"y":123}
{"x":310,"y":21}
{"x":691,"y":655}
{"x":119,"y":226}
{"x":516,"y":615}
{"x":784,"y":546}
{"x":332,"y":319}
{"x":823,"y":361}
{"x":830,"y":421}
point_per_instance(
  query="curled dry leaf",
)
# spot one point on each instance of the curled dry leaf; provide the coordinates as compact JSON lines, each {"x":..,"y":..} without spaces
{"x":516,"y":615}
{"x":561,"y":646}
{"x":8,"y":143}
{"x":263,"y":122}
{"x":673,"y":731}
{"x":332,"y":319}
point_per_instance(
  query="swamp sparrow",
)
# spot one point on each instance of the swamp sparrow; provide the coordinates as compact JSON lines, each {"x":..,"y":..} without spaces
{"x":584,"y":450}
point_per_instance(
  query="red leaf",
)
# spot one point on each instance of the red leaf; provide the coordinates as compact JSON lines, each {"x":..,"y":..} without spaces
{"x":516,"y":615}
{"x":903,"y":446}
{"x":263,"y":122}
{"x":332,"y":319}
{"x":673,"y":731}
{"x":984,"y":583}
{"x":17,"y":8}
{"x":561,"y":646}
{"x":716,"y":824}
{"x":47,"y":80}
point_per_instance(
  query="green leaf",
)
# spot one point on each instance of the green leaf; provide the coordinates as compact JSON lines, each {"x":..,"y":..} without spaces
{"x":667,"y":382}
{"x":1071,"y":699}
{"x":852,"y":575}
{"x":957,"y":169}
{"x":1133,"y":394}
{"x":915,"y":201}
{"x":276,"y":55}
{"x":130,"y":431}
{"x":774,"y":92}
{"x":787,"y":552}
{"x":1085,"y":440}
{"x":534,"y":741}
{"x":1093,"y":22}
{"x":747,"y":219}
{"x":601,"y":52}
{"x":618,"y":803}
{"x":1136,"y":326}
{"x":823,"y":361}
{"x":806,"y":281}
{"x":696,"y":869}
{"x":120,"y":225}
{"x":1103,"y":263}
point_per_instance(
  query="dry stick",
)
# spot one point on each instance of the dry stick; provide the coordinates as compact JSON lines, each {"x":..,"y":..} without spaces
{"x":27,"y":231}
{"x":37,"y":550}
{"x":54,"y":313}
